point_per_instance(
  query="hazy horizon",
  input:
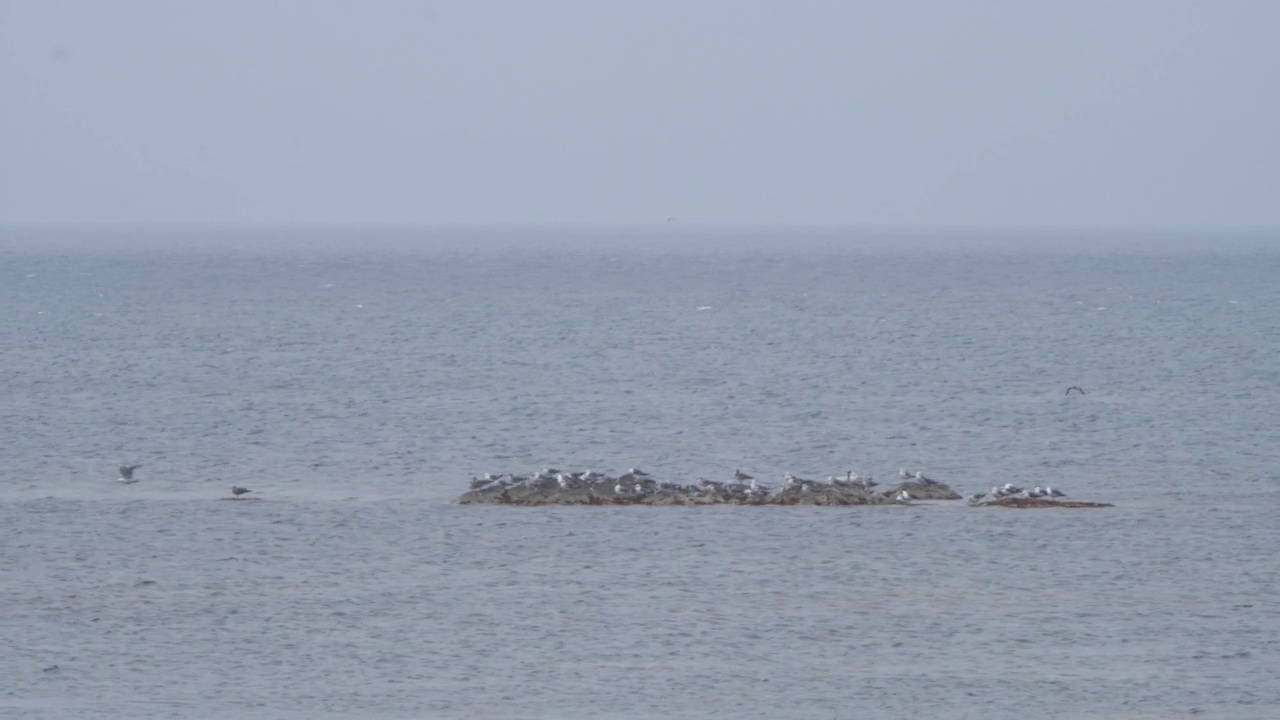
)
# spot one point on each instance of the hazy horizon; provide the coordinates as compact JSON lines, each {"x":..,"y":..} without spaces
{"x":993,"y":114}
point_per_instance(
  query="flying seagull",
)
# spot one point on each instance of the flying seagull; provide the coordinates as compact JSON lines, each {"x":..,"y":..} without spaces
{"x":237,"y":491}
{"x":1076,"y":388}
{"x":126,"y":474}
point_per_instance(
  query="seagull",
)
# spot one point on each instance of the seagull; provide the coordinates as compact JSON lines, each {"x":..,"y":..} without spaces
{"x":904,"y":496}
{"x":920,"y":478}
{"x":126,"y":474}
{"x":856,"y":477}
{"x":237,"y":491}
{"x":1076,"y":388}
{"x":902,"y":473}
{"x":741,"y":476}
{"x":975,"y":498}
{"x":1054,"y":493}
{"x":638,"y":472}
{"x":619,"y":490}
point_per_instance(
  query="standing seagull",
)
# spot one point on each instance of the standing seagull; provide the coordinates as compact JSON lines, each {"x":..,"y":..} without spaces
{"x":126,"y":474}
{"x":741,"y":476}
{"x":237,"y":491}
{"x":920,"y":478}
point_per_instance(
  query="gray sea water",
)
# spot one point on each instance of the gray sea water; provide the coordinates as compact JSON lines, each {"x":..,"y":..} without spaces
{"x":356,"y":379}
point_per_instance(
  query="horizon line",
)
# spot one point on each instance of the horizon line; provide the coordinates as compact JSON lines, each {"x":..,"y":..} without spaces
{"x":655,"y":224}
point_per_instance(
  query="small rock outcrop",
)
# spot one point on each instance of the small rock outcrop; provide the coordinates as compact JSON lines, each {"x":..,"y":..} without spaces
{"x":552,"y":487}
{"x":1026,"y":502}
{"x":923,"y":490}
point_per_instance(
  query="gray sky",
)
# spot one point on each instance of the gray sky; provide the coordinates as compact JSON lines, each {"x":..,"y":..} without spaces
{"x":958,"y":112}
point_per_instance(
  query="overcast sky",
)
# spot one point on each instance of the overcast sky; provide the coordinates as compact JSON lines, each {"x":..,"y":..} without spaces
{"x":1118,"y":112}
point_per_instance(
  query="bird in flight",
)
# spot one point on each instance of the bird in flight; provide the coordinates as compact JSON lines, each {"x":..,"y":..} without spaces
{"x":126,"y":474}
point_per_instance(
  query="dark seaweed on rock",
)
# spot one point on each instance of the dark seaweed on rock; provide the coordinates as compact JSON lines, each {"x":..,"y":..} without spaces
{"x":1023,"y":502}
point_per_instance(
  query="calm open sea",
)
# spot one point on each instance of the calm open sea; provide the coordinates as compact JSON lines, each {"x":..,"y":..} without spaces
{"x":356,"y":379}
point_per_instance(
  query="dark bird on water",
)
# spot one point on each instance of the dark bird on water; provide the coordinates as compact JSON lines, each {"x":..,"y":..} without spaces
{"x":1076,"y":388}
{"x":237,"y":491}
{"x":126,"y":474}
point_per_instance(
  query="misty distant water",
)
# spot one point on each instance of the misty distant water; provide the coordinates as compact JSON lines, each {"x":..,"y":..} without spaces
{"x":355,"y":380}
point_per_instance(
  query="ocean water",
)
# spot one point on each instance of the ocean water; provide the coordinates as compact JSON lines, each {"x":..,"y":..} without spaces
{"x":356,"y":379}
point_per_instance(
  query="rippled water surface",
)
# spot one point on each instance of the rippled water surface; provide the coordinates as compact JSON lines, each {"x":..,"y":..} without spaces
{"x":356,"y":380}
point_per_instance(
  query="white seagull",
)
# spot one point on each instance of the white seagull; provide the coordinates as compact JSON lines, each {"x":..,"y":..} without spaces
{"x":920,"y":478}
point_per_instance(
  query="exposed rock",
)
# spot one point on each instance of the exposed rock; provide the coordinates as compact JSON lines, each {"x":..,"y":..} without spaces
{"x":1025,"y":502}
{"x":825,"y":494}
{"x":576,"y":489}
{"x":922,"y":491}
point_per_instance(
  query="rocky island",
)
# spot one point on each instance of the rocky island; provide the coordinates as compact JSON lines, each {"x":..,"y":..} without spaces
{"x":636,"y":487}
{"x":549,"y":486}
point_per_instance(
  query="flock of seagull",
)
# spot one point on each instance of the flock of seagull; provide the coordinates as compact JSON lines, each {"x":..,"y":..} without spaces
{"x":1009,"y":490}
{"x":127,"y":478}
{"x":636,"y":483}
